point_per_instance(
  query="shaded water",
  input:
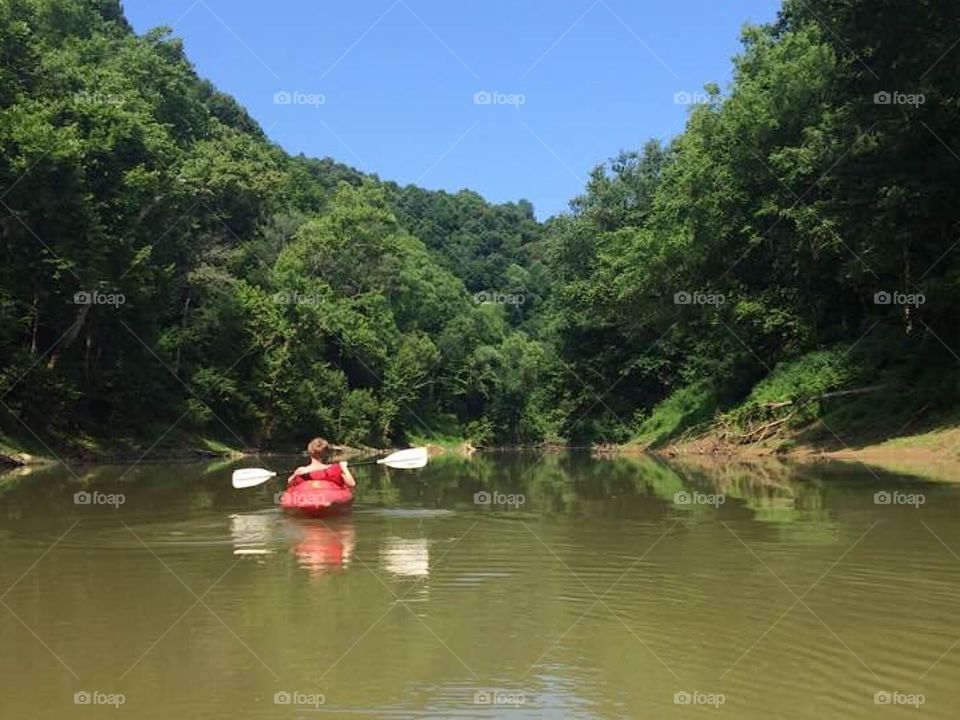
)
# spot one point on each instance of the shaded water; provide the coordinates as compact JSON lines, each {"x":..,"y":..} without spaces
{"x":585,"y":588}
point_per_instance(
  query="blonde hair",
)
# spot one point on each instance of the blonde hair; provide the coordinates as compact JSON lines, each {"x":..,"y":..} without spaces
{"x":318,"y":448}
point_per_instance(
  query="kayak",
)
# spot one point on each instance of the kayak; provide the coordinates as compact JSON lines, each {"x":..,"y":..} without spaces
{"x":316,"y":498}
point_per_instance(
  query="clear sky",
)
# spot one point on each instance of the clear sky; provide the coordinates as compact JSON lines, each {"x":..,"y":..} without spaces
{"x":390,"y":86}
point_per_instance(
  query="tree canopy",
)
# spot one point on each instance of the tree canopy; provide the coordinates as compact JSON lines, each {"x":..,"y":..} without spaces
{"x":164,"y":264}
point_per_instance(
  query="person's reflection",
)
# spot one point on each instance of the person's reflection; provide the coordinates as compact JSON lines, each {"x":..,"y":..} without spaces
{"x":322,"y":546}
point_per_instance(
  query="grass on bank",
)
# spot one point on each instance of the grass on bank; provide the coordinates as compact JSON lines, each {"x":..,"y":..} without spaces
{"x":19,"y":449}
{"x":826,"y":400}
{"x":87,"y":448}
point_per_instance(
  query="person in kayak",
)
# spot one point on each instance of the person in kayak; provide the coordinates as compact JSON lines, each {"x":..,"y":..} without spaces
{"x":319,"y":470}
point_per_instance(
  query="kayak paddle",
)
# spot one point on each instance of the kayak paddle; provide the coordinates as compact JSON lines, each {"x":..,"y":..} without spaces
{"x":408,"y":459}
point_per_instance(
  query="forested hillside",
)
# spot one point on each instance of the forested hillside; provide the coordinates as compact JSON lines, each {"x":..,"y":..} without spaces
{"x":167,"y":269}
{"x":163,"y":262}
{"x":801,"y":229}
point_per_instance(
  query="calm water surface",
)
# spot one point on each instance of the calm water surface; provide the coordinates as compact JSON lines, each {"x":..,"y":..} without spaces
{"x":582,"y":588}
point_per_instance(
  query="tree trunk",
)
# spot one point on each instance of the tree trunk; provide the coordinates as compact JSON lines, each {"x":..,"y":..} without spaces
{"x":35,"y":331}
{"x":70,"y":337}
{"x":183,"y":327}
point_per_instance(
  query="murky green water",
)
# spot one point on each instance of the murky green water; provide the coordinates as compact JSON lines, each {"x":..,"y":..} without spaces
{"x":585,"y":588}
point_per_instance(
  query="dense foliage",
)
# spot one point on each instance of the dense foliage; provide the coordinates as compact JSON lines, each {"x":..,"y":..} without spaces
{"x":799,"y":212}
{"x":234,"y":289}
{"x":165,"y":267}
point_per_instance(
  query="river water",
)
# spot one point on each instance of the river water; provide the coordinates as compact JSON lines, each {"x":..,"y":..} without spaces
{"x":569,"y":587}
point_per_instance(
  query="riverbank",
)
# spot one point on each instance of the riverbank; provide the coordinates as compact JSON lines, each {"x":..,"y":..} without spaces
{"x":18,"y":452}
{"x":440,"y":445}
{"x":932,"y":452}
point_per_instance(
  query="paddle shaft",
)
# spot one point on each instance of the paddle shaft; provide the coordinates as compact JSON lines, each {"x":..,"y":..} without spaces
{"x":364,"y":463}
{"x":353,"y":465}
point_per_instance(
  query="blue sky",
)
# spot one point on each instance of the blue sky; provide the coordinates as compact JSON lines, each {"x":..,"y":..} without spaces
{"x":390,"y":86}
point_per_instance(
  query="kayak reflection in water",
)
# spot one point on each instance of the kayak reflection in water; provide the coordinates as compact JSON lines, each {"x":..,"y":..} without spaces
{"x":323,"y":546}
{"x":319,"y":546}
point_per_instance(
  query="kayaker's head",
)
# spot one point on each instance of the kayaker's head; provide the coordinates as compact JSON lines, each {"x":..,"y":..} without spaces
{"x":318,"y":449}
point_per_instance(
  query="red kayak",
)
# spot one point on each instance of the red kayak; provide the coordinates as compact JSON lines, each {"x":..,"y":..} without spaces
{"x":319,"y":493}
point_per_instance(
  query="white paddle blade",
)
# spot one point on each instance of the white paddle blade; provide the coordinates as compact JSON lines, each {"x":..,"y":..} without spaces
{"x":251,"y":477}
{"x":406,"y":459}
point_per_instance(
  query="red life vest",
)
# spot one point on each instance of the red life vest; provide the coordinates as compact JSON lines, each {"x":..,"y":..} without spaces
{"x":332,"y":474}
